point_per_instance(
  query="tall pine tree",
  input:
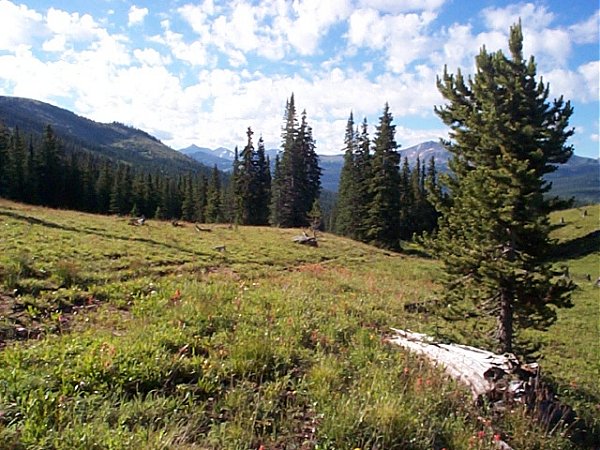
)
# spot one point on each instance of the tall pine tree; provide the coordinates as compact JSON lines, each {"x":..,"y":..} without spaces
{"x":297,"y":183}
{"x":494,"y":233}
{"x":383,"y":220}
{"x":347,"y":219}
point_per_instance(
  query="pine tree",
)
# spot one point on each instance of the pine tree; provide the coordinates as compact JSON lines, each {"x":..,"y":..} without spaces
{"x":276,"y":203}
{"x":104,"y":185}
{"x":312,"y":171}
{"x":263,"y":185}
{"x":406,"y":200}
{"x":347,"y":219}
{"x":290,"y":171}
{"x":245,"y":195}
{"x":188,"y":203}
{"x":235,"y":187}
{"x":17,"y":167}
{"x":362,"y":161}
{"x":201,"y":198}
{"x":32,"y":183}
{"x":493,"y":235}
{"x":49,"y":169}
{"x":432,"y":192}
{"x":213,"y":204}
{"x":383,"y":214}
{"x":298,"y":177}
{"x":4,"y":159}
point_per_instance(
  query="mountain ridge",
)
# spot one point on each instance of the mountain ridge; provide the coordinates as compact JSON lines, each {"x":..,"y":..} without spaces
{"x":114,"y":140}
{"x":579,"y":177}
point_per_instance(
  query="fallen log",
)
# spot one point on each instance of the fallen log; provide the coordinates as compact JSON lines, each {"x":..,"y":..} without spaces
{"x":485,"y":373}
{"x":199,"y":229}
{"x":502,"y":380}
{"x":304,"y":239}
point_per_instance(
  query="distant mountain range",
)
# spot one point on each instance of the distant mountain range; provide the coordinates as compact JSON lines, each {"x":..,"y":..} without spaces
{"x":112,"y":140}
{"x":579,"y":178}
{"x":221,"y":157}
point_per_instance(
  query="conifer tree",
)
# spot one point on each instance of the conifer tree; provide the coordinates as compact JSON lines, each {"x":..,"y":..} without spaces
{"x":213,"y":204}
{"x":201,"y":198}
{"x":362,"y":161}
{"x":383,"y":214}
{"x":312,"y":170}
{"x":17,"y":167}
{"x":188,"y":203}
{"x":347,"y":219}
{"x":4,"y":159}
{"x":298,"y":181}
{"x":406,"y":199}
{"x":263,"y":185}
{"x":494,"y":233}
{"x":32,"y":184}
{"x":49,"y":170}
{"x":245,"y":180}
{"x":276,"y":204}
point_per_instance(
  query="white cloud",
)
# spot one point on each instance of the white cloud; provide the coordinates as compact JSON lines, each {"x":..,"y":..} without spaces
{"x":136,"y":15}
{"x":55,"y":44}
{"x":19,"y":24}
{"x":403,"y":36}
{"x":194,"y":53}
{"x":312,"y":19}
{"x":533,"y":16}
{"x":400,"y":6}
{"x":581,"y":85}
{"x":150,"y":57}
{"x":586,"y":32}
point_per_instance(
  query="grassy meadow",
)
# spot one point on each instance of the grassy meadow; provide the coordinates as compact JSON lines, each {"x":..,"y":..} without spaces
{"x":115,"y":336}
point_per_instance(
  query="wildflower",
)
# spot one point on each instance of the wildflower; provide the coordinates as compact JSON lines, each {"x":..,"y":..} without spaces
{"x":176,"y":296}
{"x":481,"y":434}
{"x":497,"y":437}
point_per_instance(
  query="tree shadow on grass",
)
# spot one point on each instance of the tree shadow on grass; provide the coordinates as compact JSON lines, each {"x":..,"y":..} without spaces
{"x":578,"y":247}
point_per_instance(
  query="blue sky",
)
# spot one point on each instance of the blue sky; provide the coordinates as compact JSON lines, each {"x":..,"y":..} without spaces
{"x":201,"y":72}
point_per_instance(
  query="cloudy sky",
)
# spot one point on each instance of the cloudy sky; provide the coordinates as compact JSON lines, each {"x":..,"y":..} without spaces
{"x":203,"y":71}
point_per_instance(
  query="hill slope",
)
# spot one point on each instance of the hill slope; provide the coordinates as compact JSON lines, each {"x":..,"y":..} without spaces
{"x":149,"y":337}
{"x":112,"y":140}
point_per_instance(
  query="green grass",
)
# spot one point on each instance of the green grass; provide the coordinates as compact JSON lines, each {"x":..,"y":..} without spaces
{"x":118,"y":336}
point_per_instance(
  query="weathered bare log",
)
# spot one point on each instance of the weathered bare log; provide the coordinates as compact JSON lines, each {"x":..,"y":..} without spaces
{"x":501,"y":379}
{"x":305,"y":239}
{"x":485,"y":373}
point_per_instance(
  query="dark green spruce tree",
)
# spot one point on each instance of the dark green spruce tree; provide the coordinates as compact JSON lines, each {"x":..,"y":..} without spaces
{"x":4,"y":159}
{"x":263,"y":185}
{"x":362,"y":162}
{"x":297,"y":181}
{"x":245,"y":183}
{"x":347,"y":219}
{"x":494,"y":233}
{"x":214,"y":213}
{"x":383,"y":218}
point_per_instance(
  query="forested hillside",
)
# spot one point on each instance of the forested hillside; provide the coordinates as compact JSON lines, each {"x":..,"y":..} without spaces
{"x":111,"y":140}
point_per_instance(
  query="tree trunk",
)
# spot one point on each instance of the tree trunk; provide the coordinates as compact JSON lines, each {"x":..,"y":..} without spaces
{"x":505,"y":322}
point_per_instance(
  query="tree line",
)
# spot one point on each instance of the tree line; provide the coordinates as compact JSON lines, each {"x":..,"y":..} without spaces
{"x":41,"y":169}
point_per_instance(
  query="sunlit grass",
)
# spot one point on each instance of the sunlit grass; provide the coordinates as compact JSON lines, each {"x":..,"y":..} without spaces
{"x":148,"y":337}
